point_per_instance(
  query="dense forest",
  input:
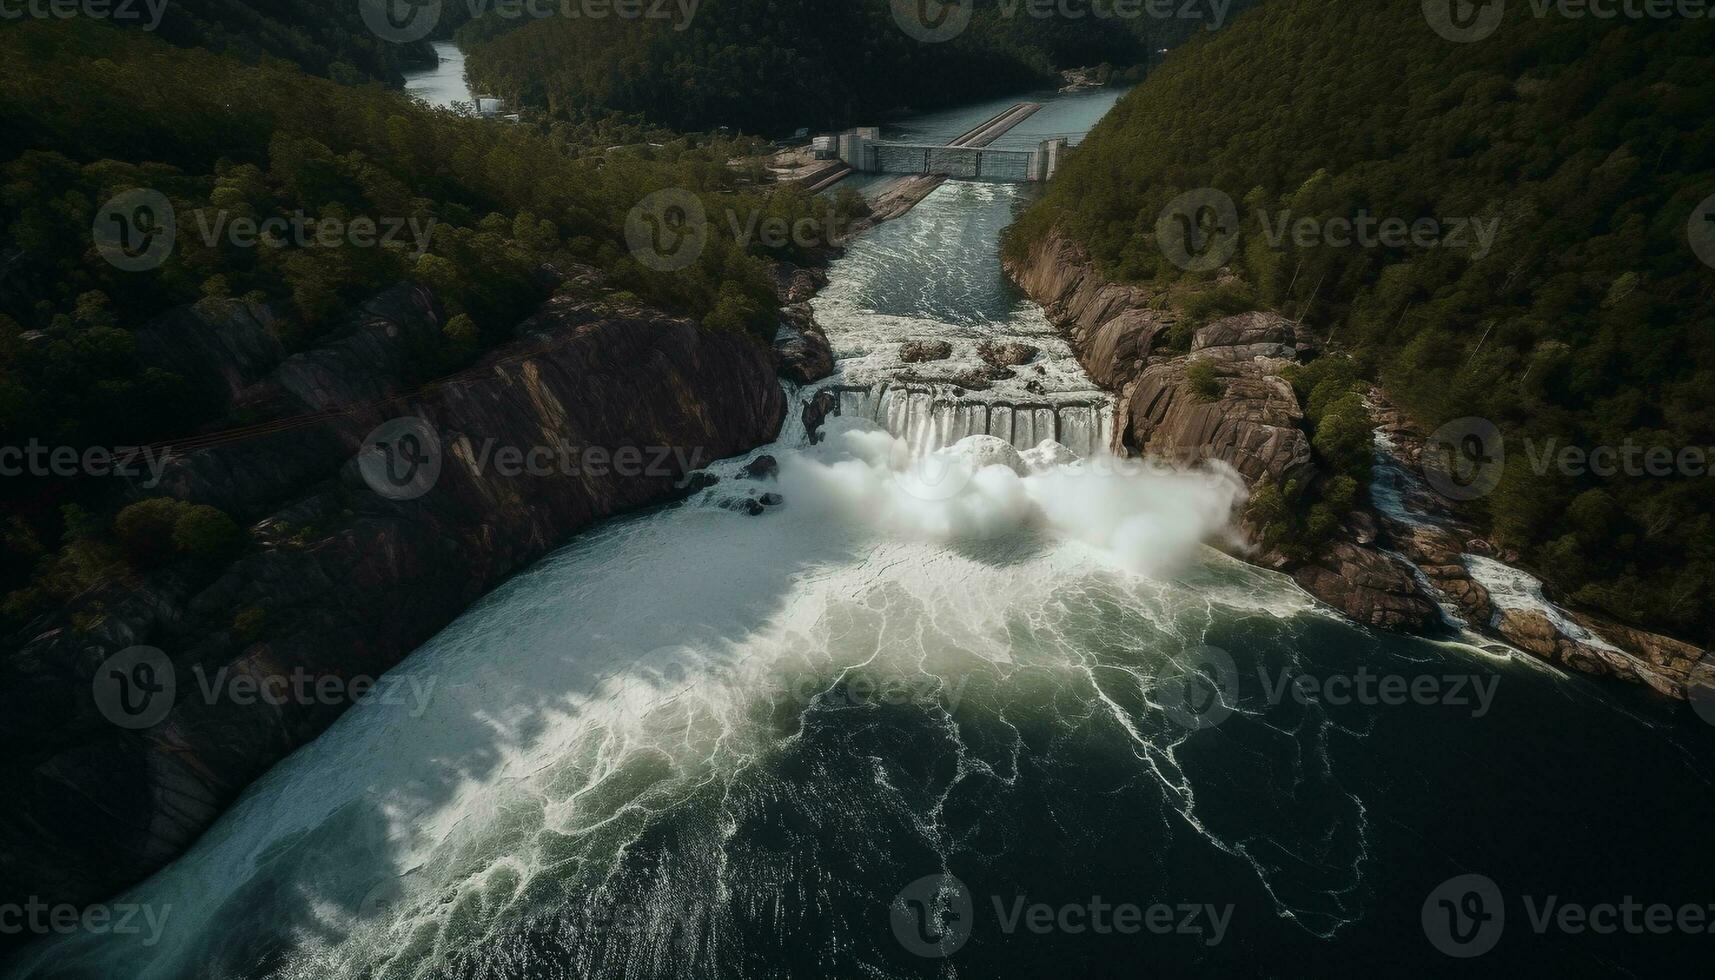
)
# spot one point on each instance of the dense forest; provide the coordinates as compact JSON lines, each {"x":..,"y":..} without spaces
{"x":767,"y":67}
{"x":93,"y":112}
{"x":322,"y":38}
{"x":1587,"y":321}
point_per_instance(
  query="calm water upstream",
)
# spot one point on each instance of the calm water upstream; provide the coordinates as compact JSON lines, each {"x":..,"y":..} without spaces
{"x":879,"y":732}
{"x":445,"y":83}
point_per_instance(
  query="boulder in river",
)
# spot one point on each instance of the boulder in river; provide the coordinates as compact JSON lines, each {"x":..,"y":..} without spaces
{"x":918,"y":351}
{"x":764,"y":467}
{"x":1010,"y":354}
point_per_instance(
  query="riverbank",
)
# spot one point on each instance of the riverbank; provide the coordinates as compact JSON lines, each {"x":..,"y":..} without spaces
{"x":1489,"y":591}
{"x":348,"y":575}
{"x":1403,"y":566}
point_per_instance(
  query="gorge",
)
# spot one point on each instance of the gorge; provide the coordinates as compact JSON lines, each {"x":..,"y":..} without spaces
{"x":710,"y":740}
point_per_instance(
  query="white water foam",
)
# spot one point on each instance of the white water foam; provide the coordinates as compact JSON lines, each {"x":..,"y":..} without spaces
{"x":1510,"y":588}
{"x":1144,"y":517}
{"x":621,"y":678}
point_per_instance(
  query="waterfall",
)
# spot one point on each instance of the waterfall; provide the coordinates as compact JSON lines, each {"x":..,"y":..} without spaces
{"x":928,"y":419}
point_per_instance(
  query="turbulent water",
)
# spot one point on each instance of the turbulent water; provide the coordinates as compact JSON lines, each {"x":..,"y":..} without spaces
{"x":850,"y":736}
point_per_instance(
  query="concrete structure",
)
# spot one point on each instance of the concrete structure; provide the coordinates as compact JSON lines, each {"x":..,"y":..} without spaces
{"x":958,"y":162}
{"x":968,"y":157}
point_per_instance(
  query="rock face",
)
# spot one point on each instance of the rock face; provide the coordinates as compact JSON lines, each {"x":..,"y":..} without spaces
{"x":344,"y":581}
{"x":1254,"y":425}
{"x":1113,"y":328}
{"x":802,"y":353}
{"x":1368,"y":586}
{"x":798,"y":285}
{"x":1438,"y":546}
{"x":1435,"y":551}
{"x":816,"y":411}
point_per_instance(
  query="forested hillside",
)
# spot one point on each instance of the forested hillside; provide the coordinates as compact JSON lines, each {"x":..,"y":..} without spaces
{"x":323,"y":37}
{"x":1588,"y":320}
{"x":767,"y":67}
{"x":484,"y":210}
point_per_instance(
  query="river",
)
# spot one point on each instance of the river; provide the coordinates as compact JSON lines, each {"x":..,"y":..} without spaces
{"x":443,"y":84}
{"x":871,"y":731}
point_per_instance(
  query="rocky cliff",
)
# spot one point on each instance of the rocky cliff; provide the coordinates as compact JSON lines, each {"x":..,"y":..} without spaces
{"x":591,"y":410}
{"x":1253,"y":424}
{"x":1447,"y":550}
{"x":1378,"y":570}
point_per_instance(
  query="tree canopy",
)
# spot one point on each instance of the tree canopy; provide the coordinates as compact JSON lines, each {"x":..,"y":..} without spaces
{"x":1589,"y":320}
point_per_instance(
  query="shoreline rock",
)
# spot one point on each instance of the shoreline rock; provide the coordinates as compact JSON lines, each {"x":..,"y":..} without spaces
{"x":1254,"y":424}
{"x":1371,"y":571}
{"x":1440,"y":544}
{"x":344,"y":581}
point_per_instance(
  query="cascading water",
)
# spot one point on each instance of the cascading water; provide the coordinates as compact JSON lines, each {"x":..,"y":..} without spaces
{"x":699,"y":744}
{"x":934,"y":279}
{"x":928,"y":420}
